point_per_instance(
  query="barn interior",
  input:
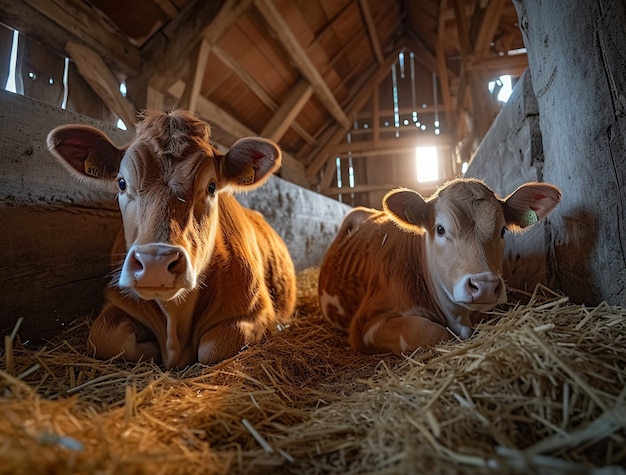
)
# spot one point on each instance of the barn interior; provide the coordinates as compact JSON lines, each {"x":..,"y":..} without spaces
{"x":349,"y":89}
{"x":362,"y":96}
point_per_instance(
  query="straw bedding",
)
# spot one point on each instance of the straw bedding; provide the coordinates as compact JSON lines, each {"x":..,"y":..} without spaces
{"x":540,"y":387}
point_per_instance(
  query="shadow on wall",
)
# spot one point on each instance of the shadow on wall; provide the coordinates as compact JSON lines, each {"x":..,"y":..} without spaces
{"x":572,"y":246}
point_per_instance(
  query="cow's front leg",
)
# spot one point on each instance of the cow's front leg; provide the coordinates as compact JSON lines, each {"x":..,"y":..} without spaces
{"x":115,"y":333}
{"x":389,"y":332}
{"x":227,"y":338}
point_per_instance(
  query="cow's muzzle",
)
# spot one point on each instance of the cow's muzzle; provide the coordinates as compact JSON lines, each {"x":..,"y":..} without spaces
{"x":480,"y":291}
{"x":156,"y":270}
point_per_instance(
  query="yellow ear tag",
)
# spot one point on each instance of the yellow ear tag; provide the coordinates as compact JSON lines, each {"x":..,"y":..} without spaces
{"x":93,"y":167}
{"x":529,"y":219}
{"x":247,"y":176}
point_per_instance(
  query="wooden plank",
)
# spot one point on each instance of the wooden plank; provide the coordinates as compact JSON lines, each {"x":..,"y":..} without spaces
{"x":56,"y":249}
{"x":288,"y":111}
{"x":167,"y":52}
{"x":93,"y":69}
{"x":371,"y":30}
{"x":390,"y":146}
{"x":488,"y":26}
{"x":189,"y":99}
{"x":82,"y":22}
{"x":298,"y":55}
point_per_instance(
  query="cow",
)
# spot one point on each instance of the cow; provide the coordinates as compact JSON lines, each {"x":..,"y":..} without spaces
{"x":416,"y":273}
{"x":196,"y":277}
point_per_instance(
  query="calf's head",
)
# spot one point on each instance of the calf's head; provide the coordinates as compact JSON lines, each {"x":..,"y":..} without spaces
{"x":168,"y":182}
{"x":464,"y":224}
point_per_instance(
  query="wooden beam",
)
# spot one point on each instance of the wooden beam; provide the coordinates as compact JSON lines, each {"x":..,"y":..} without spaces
{"x":288,"y":111}
{"x":362,"y":93}
{"x":97,"y":74}
{"x":87,"y":27}
{"x":442,"y":69}
{"x":298,"y":56}
{"x":368,"y":187}
{"x":189,"y":100}
{"x":371,"y":30}
{"x":226,"y":17}
{"x":488,"y":26}
{"x":167,"y":52}
{"x":256,"y":88}
{"x":390,"y":146}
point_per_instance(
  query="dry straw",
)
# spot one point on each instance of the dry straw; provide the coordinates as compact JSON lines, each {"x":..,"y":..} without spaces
{"x":540,"y":388}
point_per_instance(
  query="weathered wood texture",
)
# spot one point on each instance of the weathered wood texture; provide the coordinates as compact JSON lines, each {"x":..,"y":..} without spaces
{"x":56,"y":234}
{"x":578,"y":64}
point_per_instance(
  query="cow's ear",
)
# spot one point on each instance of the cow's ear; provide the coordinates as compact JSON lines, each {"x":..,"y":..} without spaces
{"x":250,"y":162}
{"x":529,"y":204}
{"x":408,"y":209}
{"x":86,"y":152}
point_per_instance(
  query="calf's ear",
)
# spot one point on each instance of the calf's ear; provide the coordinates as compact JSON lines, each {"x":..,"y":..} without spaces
{"x":250,"y":162}
{"x":86,"y":152}
{"x":529,"y":204}
{"x":408,"y":209}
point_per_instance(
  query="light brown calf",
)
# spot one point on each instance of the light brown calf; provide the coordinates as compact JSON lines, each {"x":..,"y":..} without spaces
{"x":395,"y":279}
{"x":196,"y":276}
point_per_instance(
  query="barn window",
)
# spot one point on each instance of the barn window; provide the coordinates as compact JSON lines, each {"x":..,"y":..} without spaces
{"x":427,"y":161}
{"x":504,"y":87}
{"x":10,"y":85}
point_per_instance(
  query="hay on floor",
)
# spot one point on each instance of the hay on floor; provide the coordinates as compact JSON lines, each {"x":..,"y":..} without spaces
{"x":539,"y":388}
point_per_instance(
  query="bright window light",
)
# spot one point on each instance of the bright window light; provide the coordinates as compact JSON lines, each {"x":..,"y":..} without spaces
{"x":10,"y":85}
{"x":506,"y":87}
{"x":427,"y":161}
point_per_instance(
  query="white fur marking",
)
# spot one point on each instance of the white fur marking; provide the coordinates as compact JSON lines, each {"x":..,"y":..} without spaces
{"x":368,"y":338}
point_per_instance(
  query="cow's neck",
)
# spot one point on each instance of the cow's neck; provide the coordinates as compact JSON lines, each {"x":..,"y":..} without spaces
{"x":179,"y":317}
{"x":458,"y":318}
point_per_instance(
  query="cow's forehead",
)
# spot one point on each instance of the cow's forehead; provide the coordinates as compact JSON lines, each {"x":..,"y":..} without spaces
{"x":471,"y":207}
{"x":168,"y":149}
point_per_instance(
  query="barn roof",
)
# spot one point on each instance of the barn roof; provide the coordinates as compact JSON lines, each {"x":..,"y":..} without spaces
{"x":362,"y":79}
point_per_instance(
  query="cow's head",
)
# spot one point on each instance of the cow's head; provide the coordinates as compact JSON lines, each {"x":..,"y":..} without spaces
{"x":168,"y":180}
{"x":464,"y":224}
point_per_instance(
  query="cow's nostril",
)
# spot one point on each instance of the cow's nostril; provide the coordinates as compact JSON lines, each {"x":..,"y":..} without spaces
{"x":135,"y":262}
{"x":174,"y":264}
{"x":472,"y":285}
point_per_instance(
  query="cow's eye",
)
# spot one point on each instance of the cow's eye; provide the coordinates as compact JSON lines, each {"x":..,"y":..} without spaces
{"x":211,"y":187}
{"x":122,"y":184}
{"x":503,"y":232}
{"x":440,"y":230}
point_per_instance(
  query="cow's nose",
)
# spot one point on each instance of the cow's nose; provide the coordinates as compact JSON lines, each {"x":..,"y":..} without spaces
{"x":484,"y":288}
{"x":155,"y":266}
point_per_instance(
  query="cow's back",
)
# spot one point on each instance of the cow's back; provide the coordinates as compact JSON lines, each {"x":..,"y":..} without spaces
{"x":369,"y":259}
{"x":279,"y":272}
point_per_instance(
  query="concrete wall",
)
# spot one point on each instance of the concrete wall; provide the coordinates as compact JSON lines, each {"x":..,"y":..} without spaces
{"x":56,"y":234}
{"x":566,"y":124}
{"x":578,"y":63}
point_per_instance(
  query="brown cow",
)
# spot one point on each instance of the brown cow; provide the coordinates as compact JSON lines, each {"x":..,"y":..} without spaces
{"x":395,"y":279}
{"x":196,"y":276}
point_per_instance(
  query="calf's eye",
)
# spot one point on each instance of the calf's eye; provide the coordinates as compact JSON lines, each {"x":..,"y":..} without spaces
{"x":122,"y":184}
{"x":440,"y":230}
{"x":211,"y":187}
